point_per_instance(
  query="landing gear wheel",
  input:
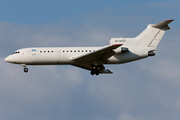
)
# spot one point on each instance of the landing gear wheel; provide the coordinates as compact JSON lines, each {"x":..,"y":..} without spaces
{"x":92,"y":72}
{"x":95,"y":69}
{"x":97,"y":72}
{"x":25,"y":70}
{"x":98,"y":68}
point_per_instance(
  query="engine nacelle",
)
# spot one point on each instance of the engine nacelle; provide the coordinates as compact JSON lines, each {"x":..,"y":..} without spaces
{"x":151,"y":53}
{"x":124,"y":49}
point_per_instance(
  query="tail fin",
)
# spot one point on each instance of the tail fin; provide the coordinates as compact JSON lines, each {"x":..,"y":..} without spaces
{"x":152,"y":35}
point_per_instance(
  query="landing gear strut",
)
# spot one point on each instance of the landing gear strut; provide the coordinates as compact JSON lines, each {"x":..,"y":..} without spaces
{"x":25,"y":68}
{"x":95,"y":70}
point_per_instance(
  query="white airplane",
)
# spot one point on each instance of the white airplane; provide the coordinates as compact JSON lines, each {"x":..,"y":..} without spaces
{"x":119,"y":50}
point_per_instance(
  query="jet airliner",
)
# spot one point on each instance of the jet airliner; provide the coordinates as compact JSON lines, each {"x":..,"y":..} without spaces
{"x":119,"y":50}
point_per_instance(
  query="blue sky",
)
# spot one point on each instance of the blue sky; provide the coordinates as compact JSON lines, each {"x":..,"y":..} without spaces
{"x":44,"y":11}
{"x":142,"y":90}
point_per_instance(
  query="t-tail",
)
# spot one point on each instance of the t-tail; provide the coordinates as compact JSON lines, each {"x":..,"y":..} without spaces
{"x":147,"y":40}
{"x":152,"y":35}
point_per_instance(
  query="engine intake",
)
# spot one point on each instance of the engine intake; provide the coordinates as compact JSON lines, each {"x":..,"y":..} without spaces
{"x":123,"y":49}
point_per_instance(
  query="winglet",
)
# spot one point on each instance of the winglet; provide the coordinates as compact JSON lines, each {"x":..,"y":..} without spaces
{"x":163,"y":24}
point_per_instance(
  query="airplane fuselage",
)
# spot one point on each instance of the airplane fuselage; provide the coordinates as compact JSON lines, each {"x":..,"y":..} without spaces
{"x":64,"y":55}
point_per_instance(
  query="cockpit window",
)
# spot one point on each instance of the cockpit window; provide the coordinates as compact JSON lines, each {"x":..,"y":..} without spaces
{"x":16,"y":52}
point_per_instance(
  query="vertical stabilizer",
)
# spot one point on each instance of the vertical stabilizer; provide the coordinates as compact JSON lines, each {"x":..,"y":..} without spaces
{"x":152,"y":35}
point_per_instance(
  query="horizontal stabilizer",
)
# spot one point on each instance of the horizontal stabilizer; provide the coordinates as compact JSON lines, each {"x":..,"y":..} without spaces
{"x":163,"y":24}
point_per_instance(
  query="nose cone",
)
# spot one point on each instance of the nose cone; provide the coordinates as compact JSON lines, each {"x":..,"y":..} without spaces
{"x":8,"y":59}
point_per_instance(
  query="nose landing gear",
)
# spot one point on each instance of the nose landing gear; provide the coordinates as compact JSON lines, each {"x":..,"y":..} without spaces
{"x":25,"y":68}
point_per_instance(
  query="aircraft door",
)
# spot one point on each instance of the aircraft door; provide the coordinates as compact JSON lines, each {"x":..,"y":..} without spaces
{"x":29,"y":54}
{"x":59,"y":53}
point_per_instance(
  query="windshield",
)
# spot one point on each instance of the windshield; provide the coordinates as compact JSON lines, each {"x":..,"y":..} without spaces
{"x":16,"y":52}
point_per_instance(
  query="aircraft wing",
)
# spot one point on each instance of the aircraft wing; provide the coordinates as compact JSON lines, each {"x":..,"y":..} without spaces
{"x":89,"y":67}
{"x":99,"y":55}
{"x":86,"y":61}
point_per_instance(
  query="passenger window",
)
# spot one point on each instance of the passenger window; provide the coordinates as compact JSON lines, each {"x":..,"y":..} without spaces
{"x":74,"y":51}
{"x":52,"y":51}
{"x":78,"y":51}
{"x":40,"y":51}
{"x":89,"y":50}
{"x":63,"y":51}
{"x":82,"y":51}
{"x":44,"y":51}
{"x":86,"y":50}
{"x":71,"y":50}
{"x":48,"y":51}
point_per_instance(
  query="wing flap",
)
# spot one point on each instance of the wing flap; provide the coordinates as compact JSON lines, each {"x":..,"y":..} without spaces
{"x":106,"y":71}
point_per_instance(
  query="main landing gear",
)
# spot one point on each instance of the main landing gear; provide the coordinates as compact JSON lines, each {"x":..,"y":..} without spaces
{"x":25,"y":68}
{"x":95,"y":70}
